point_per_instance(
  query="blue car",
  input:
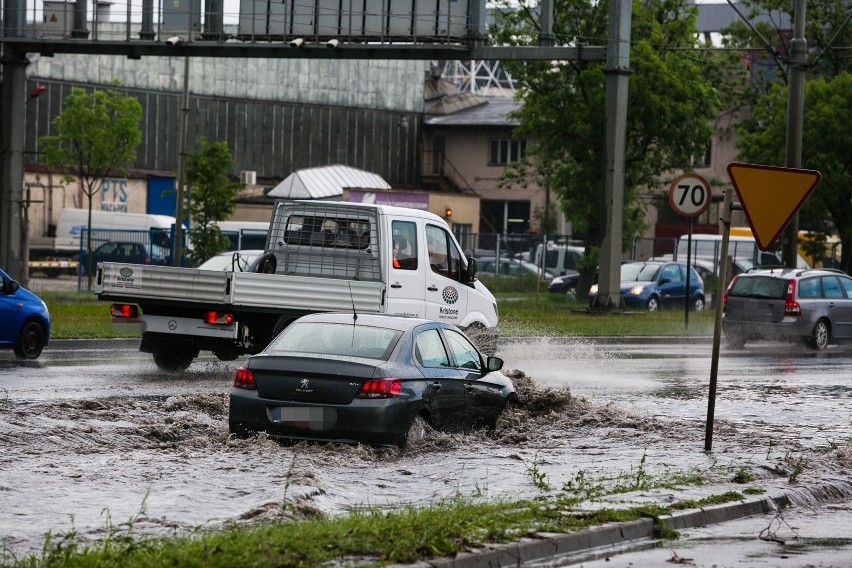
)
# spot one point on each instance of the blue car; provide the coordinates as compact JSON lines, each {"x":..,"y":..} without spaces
{"x":652,"y":285}
{"x":24,"y":319}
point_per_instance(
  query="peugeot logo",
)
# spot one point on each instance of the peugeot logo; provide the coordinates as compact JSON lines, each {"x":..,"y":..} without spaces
{"x":172,"y":325}
{"x":304,"y":384}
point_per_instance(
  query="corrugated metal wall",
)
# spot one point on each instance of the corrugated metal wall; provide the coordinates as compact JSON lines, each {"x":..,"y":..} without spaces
{"x":272,"y":138}
{"x":393,"y":85}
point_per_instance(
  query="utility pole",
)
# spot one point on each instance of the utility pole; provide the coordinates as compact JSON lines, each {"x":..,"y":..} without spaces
{"x":795,"y":120}
{"x":617,"y":72}
{"x":13,"y":253}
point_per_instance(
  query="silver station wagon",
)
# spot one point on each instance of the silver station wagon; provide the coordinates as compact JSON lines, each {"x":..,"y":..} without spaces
{"x":810,"y":305}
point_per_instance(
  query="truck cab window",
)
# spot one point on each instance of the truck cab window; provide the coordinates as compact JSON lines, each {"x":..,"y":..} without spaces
{"x":404,"y":245}
{"x":444,"y":256}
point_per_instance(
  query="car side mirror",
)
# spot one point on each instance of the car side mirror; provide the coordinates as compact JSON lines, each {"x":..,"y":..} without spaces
{"x":10,"y":286}
{"x":665,"y":281}
{"x":494,"y":363}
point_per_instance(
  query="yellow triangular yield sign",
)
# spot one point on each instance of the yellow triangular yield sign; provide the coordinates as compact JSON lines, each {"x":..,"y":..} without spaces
{"x":770,"y":196}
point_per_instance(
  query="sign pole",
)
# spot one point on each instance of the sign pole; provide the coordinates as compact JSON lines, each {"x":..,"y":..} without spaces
{"x":727,"y":206}
{"x":689,"y":196}
{"x":686,"y":297}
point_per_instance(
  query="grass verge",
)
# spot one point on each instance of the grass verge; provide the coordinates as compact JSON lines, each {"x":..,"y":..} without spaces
{"x":76,"y":315}
{"x":362,"y":538}
{"x":79,"y":315}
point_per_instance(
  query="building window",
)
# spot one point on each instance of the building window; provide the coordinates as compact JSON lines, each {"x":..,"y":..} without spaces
{"x":506,"y":151}
{"x":703,"y":161}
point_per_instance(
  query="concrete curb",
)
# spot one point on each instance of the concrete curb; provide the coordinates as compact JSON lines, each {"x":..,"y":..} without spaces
{"x":552,"y":546}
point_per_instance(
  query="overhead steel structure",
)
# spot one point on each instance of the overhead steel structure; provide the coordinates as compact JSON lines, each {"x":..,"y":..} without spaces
{"x":268,"y":29}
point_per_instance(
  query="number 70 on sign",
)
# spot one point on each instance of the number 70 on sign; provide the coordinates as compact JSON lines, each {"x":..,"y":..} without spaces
{"x":689,"y":195}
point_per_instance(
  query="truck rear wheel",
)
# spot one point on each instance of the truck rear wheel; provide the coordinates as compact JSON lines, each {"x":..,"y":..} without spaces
{"x":174,"y":358}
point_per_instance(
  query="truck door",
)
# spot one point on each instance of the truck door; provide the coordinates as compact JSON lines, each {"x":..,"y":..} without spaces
{"x":446,"y":296}
{"x":405,"y":275}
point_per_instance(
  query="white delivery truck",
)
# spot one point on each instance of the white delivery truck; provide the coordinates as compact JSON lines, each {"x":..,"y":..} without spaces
{"x":319,"y":257}
{"x":53,"y":254}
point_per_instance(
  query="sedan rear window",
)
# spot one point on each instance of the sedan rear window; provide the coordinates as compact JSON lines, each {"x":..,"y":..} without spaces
{"x":323,"y":338}
{"x":759,"y":287}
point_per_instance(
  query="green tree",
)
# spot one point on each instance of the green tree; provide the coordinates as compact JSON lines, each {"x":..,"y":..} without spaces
{"x":211,"y":198}
{"x":670,"y":107}
{"x":96,"y":135}
{"x":826,"y":147}
{"x":826,"y":142}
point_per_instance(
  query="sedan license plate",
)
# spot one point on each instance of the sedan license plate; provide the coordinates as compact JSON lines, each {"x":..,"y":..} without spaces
{"x":305,"y":418}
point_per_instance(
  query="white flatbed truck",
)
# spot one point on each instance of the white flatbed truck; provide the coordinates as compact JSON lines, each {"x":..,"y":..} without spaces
{"x":319,"y":257}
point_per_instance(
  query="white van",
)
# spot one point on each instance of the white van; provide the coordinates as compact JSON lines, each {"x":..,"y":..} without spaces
{"x":559,"y":259}
{"x":245,"y":235}
{"x":709,"y":247}
{"x":109,"y":226}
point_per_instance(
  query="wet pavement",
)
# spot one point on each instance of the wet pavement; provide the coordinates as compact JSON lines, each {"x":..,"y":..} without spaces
{"x":96,"y":440}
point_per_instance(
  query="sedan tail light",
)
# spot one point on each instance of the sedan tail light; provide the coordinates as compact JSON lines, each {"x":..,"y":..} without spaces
{"x":245,"y":379}
{"x":791,"y":306}
{"x":380,"y":388}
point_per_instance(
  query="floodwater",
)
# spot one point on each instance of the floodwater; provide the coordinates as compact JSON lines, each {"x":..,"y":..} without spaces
{"x":98,"y":442}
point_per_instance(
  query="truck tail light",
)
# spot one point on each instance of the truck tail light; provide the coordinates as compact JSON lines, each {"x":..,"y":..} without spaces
{"x":791,"y":306}
{"x":124,"y":311}
{"x":244,"y":379}
{"x":218,"y":318}
{"x":380,"y":388}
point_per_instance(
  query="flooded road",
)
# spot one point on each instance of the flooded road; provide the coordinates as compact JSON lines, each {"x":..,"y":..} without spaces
{"x":95,"y":440}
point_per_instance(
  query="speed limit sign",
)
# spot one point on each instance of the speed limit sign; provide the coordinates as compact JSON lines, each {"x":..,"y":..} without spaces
{"x":689,"y":195}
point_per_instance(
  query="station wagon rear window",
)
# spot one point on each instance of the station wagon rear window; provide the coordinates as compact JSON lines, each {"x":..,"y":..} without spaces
{"x":760,"y":287}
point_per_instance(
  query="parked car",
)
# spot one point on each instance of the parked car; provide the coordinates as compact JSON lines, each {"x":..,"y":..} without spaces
{"x":810,"y":305}
{"x":488,"y":266}
{"x":657,"y":284}
{"x":24,"y":320}
{"x":565,"y":284}
{"x":373,"y":379}
{"x":119,"y":251}
{"x":232,"y":261}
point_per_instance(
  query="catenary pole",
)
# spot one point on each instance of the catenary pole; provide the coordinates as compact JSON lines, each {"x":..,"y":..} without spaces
{"x":617,"y":72}
{"x":795,"y":121}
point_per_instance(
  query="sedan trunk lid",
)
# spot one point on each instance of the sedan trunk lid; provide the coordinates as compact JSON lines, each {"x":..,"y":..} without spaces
{"x":310,"y":379}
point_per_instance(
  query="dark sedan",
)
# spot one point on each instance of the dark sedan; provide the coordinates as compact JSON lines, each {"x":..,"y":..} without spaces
{"x":370,"y":379}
